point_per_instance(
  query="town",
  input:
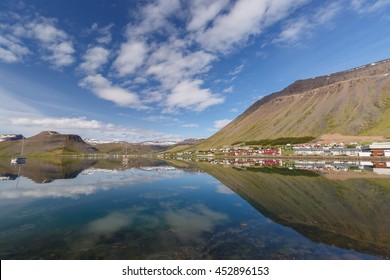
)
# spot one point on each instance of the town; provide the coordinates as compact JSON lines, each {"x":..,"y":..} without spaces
{"x":376,"y":149}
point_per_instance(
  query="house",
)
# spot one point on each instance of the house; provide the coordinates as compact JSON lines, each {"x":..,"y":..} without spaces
{"x":309,"y":151}
{"x":378,"y":148}
{"x":345,"y":151}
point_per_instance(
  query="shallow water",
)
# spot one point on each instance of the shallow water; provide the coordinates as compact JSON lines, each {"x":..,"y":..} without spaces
{"x":152,"y":209}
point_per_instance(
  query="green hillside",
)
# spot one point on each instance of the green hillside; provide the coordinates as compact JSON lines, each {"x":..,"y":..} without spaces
{"x":353,"y":102}
{"x":47,"y":143}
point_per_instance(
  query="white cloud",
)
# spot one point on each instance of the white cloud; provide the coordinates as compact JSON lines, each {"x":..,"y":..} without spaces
{"x":89,"y":128}
{"x":131,"y":56}
{"x":8,"y":56}
{"x":61,"y":54}
{"x":365,"y":6}
{"x":204,"y":11}
{"x":190,"y":125}
{"x":57,"y":47}
{"x":11,"y":50}
{"x":229,"y":89}
{"x":189,"y":95}
{"x":153,"y":17}
{"x":237,"y":70}
{"x":152,"y":97}
{"x":296,"y":29}
{"x":327,"y":12}
{"x":246,"y":18}
{"x":105,"y":90}
{"x":60,"y":123}
{"x":170,"y":65}
{"x":228,"y":29}
{"x":104,"y":32}
{"x":160,"y":118}
{"x":218,"y":124}
{"x":54,"y":44}
{"x":93,"y":59}
{"x":172,"y":60}
{"x":293,"y":31}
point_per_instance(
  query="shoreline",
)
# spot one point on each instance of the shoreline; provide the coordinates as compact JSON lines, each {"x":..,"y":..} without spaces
{"x":377,"y":158}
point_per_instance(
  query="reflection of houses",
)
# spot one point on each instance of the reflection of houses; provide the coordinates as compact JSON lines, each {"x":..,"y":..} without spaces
{"x":382,"y":168}
{"x":375,"y":149}
{"x":8,"y":176}
{"x":345,"y":151}
{"x":270,"y":152}
{"x":328,"y":152}
{"x":311,"y":151}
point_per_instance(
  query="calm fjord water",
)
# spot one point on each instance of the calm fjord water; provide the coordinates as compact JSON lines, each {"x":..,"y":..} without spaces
{"x":153,"y":209}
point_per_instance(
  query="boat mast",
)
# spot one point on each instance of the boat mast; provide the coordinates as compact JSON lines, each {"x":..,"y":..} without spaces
{"x":21,"y":153}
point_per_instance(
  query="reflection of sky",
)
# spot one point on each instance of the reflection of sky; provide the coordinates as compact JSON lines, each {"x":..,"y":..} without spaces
{"x":146,"y":213}
{"x":223,"y":189}
{"x":186,"y":223}
{"x":189,"y":223}
{"x":81,"y":185}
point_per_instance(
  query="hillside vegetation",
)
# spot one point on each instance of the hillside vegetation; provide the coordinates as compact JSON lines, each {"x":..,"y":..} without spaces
{"x":354,"y":102}
{"x":47,"y":143}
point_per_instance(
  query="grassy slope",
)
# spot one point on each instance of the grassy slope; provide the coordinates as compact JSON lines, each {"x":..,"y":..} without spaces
{"x":45,"y":144}
{"x":359,"y":106}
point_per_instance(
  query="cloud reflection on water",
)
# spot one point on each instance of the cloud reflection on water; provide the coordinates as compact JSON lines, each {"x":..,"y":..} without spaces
{"x":83,"y":185}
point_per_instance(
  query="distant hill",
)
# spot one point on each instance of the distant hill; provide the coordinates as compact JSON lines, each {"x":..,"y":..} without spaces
{"x":47,"y":143}
{"x":352,"y":102}
{"x":129,"y":148}
{"x":184,"y":145}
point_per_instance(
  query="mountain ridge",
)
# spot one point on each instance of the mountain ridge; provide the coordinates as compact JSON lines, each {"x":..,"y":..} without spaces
{"x":350,"y":102}
{"x":47,"y":143}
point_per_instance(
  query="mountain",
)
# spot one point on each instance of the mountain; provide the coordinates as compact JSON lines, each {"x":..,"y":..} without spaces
{"x":129,"y":148}
{"x":184,"y":145}
{"x":353,"y":102}
{"x":47,"y":143}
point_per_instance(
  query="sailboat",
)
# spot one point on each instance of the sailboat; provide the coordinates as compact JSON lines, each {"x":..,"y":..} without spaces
{"x":125,"y":158}
{"x":21,"y":159}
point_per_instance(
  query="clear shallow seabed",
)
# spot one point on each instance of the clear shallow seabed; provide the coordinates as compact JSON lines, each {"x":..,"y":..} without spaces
{"x":153,"y":209}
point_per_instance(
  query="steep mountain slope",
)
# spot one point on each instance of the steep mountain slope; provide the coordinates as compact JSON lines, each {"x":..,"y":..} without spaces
{"x":47,"y":142}
{"x":352,"y":102}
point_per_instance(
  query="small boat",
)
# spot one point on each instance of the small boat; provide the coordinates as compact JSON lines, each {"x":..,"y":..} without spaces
{"x":18,"y":160}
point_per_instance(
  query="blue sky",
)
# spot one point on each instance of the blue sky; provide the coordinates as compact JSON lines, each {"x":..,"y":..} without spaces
{"x":170,"y":69}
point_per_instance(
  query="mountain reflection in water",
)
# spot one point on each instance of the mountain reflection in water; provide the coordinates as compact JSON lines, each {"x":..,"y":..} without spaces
{"x":156,"y":209}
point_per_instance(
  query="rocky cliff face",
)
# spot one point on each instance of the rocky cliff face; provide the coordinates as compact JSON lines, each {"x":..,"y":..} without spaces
{"x":352,"y":102}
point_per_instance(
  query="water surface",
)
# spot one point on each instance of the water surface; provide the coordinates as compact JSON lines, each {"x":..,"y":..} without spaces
{"x":154,"y":209}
